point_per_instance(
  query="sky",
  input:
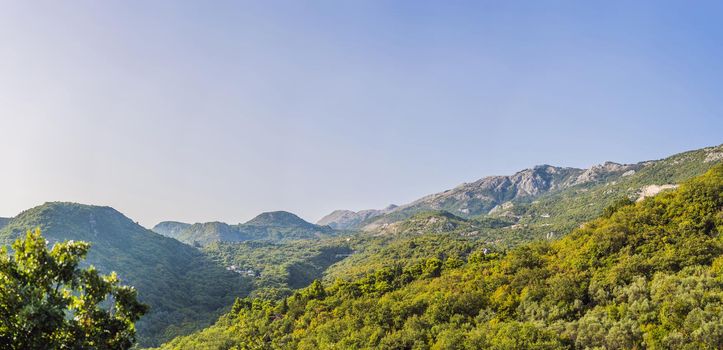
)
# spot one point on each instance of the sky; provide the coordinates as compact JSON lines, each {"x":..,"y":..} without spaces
{"x":198,"y":111}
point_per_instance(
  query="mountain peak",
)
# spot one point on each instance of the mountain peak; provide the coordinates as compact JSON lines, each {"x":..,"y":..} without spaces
{"x":71,"y":221}
{"x":277,"y":218}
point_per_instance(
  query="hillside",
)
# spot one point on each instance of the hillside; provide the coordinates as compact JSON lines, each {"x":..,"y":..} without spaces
{"x":279,"y":219}
{"x":645,"y":275}
{"x":201,"y":234}
{"x":562,"y":211}
{"x":278,"y":226}
{"x":185,"y":289}
{"x":548,"y":216}
{"x":170,"y":228}
{"x":279,"y":268}
{"x":347,"y":219}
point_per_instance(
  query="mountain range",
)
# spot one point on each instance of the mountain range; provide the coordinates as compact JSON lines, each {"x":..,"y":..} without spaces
{"x":495,"y":195}
{"x":645,"y":274}
{"x":274,"y":226}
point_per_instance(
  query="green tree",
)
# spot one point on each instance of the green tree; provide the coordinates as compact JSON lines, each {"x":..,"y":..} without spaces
{"x":48,"y":302}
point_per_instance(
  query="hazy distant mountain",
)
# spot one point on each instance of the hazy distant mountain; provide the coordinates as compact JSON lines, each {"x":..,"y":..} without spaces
{"x":207,"y":232}
{"x":171,"y":228}
{"x":347,"y":219}
{"x":184,"y":288}
{"x":650,"y":262}
{"x":274,"y":226}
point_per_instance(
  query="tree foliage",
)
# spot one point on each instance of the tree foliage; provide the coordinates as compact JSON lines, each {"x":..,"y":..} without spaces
{"x":47,"y":301}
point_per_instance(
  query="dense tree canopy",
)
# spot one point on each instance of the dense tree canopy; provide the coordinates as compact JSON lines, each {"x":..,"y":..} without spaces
{"x":47,"y":301}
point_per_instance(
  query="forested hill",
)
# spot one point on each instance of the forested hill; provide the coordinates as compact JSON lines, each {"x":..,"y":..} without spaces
{"x":184,"y":288}
{"x":4,"y":222}
{"x":644,"y":275}
{"x":277,"y":226}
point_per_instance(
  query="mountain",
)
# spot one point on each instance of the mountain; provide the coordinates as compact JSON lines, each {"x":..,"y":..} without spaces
{"x":170,"y":228}
{"x":496,"y":195}
{"x":347,"y":219}
{"x":279,"y":219}
{"x":645,"y":275}
{"x":386,"y":240}
{"x":277,"y":226}
{"x":207,"y":232}
{"x":184,"y":288}
{"x":277,"y":269}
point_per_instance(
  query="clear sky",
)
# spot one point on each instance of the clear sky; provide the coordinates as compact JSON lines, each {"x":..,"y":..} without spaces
{"x":219,"y":110}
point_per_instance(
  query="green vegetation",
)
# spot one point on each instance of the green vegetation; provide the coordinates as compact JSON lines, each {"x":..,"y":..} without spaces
{"x":548,"y":199}
{"x":48,"y":302}
{"x":561,"y":211}
{"x":184,"y":289}
{"x":171,"y":228}
{"x":278,"y":268}
{"x":278,"y":226}
{"x":645,"y":275}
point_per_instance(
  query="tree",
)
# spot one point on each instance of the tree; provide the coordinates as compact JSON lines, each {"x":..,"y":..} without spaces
{"x":48,"y":302}
{"x":433,"y":267}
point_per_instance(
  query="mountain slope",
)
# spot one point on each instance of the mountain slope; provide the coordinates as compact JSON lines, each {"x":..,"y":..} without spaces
{"x":560,"y":211}
{"x":275,"y":226}
{"x":4,"y":222}
{"x":279,"y":219}
{"x":185,"y":289}
{"x":170,"y":228}
{"x":548,"y":216}
{"x":208,"y":232}
{"x":347,"y":219}
{"x":647,"y":275}
{"x":558,"y":187}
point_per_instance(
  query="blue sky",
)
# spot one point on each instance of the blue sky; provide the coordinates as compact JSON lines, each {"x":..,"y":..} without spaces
{"x":200,"y":111}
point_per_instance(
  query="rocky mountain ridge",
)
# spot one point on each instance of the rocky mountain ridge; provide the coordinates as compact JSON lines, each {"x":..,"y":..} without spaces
{"x":484,"y":195}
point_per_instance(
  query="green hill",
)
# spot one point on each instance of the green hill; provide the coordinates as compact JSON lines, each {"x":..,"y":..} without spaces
{"x":645,"y":275}
{"x":546,"y":216}
{"x":278,"y":226}
{"x":201,"y":234}
{"x":170,"y":228}
{"x":185,"y":289}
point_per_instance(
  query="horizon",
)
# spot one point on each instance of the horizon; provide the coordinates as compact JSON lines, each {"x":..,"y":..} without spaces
{"x":314,"y":221}
{"x":219,"y":112}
